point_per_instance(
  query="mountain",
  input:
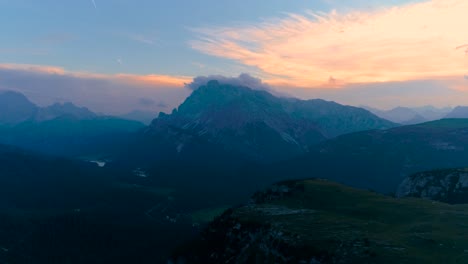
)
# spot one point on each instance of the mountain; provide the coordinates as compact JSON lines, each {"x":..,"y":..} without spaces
{"x":248,"y":121}
{"x":145,"y":117}
{"x":60,"y":129}
{"x":401,"y":115}
{"x":417,"y":119}
{"x":223,"y":139}
{"x":334,"y":119}
{"x":15,"y":108}
{"x":449,"y":186}
{"x":259,"y":125}
{"x":317,"y":221}
{"x":410,"y":116}
{"x":431,"y":113}
{"x":458,"y":112}
{"x":59,"y":110}
{"x":381,"y":159}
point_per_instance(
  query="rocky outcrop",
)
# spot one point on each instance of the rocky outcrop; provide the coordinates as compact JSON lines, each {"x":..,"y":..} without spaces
{"x":450,"y":186}
{"x":277,"y":192}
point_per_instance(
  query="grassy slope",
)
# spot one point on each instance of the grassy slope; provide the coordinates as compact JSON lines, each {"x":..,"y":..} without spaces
{"x":385,"y":229}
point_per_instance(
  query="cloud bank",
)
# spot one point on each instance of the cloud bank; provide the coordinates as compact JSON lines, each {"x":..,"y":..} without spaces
{"x":244,"y":79}
{"x":417,"y":41}
{"x":110,"y":94}
{"x":122,"y":93}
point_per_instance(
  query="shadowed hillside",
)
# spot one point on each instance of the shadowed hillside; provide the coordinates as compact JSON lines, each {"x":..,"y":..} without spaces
{"x":317,"y":221}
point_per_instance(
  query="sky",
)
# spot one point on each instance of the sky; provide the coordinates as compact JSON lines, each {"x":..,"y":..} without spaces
{"x":115,"y":56}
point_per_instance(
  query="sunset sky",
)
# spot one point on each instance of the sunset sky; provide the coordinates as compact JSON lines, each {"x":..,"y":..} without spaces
{"x":110,"y":54}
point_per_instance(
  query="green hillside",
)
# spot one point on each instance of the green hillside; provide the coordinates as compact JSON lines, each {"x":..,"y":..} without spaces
{"x":321,"y":221}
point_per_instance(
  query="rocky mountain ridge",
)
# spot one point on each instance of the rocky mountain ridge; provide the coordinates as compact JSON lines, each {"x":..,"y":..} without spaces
{"x":260,"y":125}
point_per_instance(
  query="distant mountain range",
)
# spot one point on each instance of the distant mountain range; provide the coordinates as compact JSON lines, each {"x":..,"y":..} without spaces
{"x":62,"y":129}
{"x":230,"y":128}
{"x":410,"y":116}
{"x":252,"y":123}
{"x":417,"y":115}
{"x":458,"y":112}
{"x":15,"y":108}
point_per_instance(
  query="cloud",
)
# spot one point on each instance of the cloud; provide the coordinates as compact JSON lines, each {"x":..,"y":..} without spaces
{"x":37,"y":69}
{"x":243,"y":80}
{"x":112,"y":94}
{"x":143,"y":39}
{"x":146,"y":102}
{"x":139,"y":80}
{"x":153,"y":80}
{"x":147,"y":39}
{"x":162,"y":105}
{"x":150,"y":103}
{"x":416,"y":41}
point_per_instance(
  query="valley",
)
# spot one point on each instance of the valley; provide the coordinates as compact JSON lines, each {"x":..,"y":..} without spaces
{"x":118,"y":190}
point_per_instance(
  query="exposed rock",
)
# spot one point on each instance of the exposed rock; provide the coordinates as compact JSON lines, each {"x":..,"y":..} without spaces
{"x":450,"y":186}
{"x":277,"y":191}
{"x":259,"y":125}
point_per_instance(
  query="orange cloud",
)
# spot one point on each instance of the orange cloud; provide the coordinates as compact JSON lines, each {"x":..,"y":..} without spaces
{"x":156,"y":80}
{"x":33,"y":68}
{"x":151,"y":80}
{"x":410,"y":42}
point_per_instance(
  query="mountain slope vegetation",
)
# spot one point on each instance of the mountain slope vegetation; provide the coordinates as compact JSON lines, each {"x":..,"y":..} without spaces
{"x":381,"y":159}
{"x":317,"y":221}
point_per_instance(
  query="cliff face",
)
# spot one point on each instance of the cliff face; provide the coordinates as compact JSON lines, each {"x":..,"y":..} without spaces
{"x":450,"y":186}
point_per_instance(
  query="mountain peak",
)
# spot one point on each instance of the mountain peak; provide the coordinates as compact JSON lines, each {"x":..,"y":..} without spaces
{"x":15,"y":108}
{"x":13,"y":97}
{"x":213,"y":83}
{"x":458,"y":112}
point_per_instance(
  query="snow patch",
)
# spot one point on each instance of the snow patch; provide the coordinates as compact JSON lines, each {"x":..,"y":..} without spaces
{"x":100,"y":163}
{"x":140,"y":173}
{"x":180,"y":147}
